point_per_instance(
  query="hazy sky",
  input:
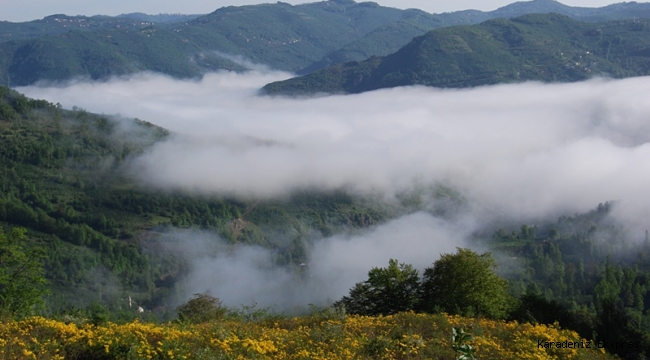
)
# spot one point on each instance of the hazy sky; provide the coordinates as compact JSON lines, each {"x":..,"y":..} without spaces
{"x":25,"y":10}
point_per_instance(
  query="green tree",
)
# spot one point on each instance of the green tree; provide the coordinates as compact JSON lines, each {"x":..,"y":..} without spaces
{"x":22,"y":281}
{"x":387,"y":291}
{"x":465,"y":283}
{"x":201,"y":308}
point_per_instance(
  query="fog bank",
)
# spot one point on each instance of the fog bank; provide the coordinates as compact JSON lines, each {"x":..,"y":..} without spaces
{"x":513,"y":152}
{"x":247,"y":274}
{"x":522,"y":150}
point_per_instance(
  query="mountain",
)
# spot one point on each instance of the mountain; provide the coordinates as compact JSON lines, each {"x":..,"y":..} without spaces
{"x":101,"y":54}
{"x":623,"y":10}
{"x":542,"y":47}
{"x":390,"y":38}
{"x":302,"y":38}
{"x":160,"y":18}
{"x":279,"y":35}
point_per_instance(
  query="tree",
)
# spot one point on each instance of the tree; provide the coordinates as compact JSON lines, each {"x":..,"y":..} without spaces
{"x":387,"y":291}
{"x":615,"y":326}
{"x":201,"y":308}
{"x":533,"y":307}
{"x":22,"y":281}
{"x":465,"y":283}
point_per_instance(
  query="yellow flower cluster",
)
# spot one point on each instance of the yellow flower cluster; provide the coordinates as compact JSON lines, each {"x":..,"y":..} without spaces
{"x":511,"y":340}
{"x":401,"y":336}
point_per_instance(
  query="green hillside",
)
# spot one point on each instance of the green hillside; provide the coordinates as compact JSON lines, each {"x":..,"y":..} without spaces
{"x":538,"y":47}
{"x":61,"y":178}
{"x":98,"y":55}
{"x":280,"y":35}
{"x":389,"y":38}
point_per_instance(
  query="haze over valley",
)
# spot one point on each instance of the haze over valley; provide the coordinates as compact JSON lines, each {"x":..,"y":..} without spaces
{"x":521,"y":153}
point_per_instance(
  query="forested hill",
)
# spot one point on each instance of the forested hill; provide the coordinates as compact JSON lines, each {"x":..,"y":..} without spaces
{"x":61,"y":178}
{"x":301,"y":38}
{"x":542,"y":47}
{"x":389,"y":38}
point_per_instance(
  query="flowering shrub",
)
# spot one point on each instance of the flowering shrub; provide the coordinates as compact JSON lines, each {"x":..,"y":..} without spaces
{"x":400,"y":336}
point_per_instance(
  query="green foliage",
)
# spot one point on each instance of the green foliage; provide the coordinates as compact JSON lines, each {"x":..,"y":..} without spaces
{"x":253,"y":313}
{"x":201,"y":308}
{"x":465,"y":283}
{"x":581,"y":271}
{"x":98,"y":314}
{"x":22,"y":281}
{"x":387,"y":291}
{"x":535,"y":308}
{"x":459,"y":342}
{"x":616,"y":326}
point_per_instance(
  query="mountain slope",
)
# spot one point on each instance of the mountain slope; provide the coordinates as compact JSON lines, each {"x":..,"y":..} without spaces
{"x":101,"y":54}
{"x":280,"y":35}
{"x":62,"y":176}
{"x":390,"y":38}
{"x":533,"y":47}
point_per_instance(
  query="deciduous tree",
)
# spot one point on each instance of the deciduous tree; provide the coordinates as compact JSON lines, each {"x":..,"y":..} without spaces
{"x":387,"y":291}
{"x":465,"y":283}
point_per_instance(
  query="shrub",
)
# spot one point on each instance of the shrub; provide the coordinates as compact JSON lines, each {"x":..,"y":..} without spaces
{"x":201,"y":308}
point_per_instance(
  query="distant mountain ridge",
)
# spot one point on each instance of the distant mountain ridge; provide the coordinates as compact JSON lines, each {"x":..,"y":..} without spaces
{"x":61,"y":23}
{"x":416,"y":25}
{"x":542,"y":47}
{"x":301,"y":38}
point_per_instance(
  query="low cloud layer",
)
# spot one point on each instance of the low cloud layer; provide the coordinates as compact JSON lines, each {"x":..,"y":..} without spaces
{"x":528,"y":149}
{"x":514,"y":152}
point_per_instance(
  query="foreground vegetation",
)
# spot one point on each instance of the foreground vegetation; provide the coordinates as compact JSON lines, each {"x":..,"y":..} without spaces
{"x":320,"y":336}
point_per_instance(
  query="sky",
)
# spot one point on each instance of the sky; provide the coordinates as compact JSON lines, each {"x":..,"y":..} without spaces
{"x":25,"y":10}
{"x":522,"y":153}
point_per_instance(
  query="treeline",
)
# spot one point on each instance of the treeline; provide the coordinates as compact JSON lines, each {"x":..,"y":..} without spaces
{"x":583,"y":262}
{"x":581,"y":271}
{"x":465,"y":284}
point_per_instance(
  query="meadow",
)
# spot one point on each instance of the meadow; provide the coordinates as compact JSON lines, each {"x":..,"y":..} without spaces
{"x":318,"y":336}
